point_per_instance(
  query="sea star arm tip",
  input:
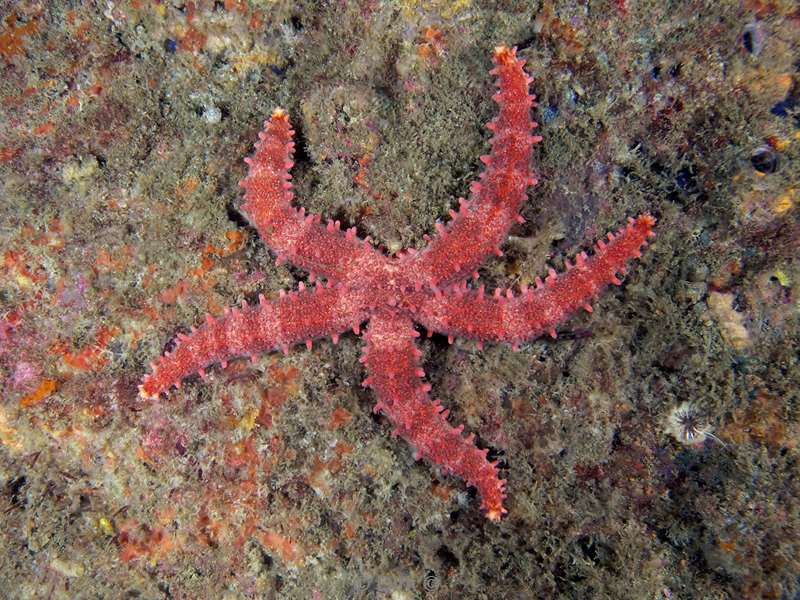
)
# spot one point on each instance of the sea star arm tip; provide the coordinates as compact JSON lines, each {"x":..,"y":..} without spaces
{"x":482,"y":222}
{"x":391,"y":359}
{"x":292,"y":234}
{"x":469,"y":313}
{"x":295,"y":317}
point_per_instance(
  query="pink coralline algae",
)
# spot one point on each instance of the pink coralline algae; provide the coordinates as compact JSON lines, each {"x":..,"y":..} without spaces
{"x":426,"y":286}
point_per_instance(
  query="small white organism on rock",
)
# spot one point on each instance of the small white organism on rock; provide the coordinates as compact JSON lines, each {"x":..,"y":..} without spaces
{"x":685,"y":424}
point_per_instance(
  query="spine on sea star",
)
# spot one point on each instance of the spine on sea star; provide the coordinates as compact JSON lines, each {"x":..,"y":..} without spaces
{"x":482,"y":222}
{"x":464,"y":312}
{"x":291,"y":233}
{"x":394,"y":373}
{"x":294,"y":317}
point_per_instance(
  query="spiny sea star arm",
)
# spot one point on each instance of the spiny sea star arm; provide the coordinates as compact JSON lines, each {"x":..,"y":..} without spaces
{"x":462,"y":312}
{"x":391,"y":358}
{"x":268,"y":325}
{"x":290,"y":232}
{"x":481,"y":224}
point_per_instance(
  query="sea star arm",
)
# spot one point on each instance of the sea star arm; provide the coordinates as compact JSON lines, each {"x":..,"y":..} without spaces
{"x":268,"y":325}
{"x":462,"y":312}
{"x":289,"y":231}
{"x":481,"y":224}
{"x":391,"y":358}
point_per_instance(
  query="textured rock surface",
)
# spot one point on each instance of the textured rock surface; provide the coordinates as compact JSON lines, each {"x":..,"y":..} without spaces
{"x":123,"y":129}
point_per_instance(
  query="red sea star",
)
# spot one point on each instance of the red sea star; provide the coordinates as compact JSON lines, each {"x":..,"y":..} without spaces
{"x":426,"y":286}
